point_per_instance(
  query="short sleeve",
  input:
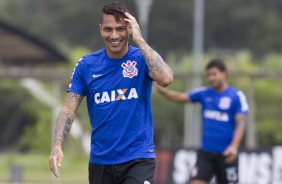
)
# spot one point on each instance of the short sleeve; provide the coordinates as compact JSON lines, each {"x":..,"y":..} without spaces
{"x":148,"y":71}
{"x":77,"y":83}
{"x":196,"y":94}
{"x":242,"y":106}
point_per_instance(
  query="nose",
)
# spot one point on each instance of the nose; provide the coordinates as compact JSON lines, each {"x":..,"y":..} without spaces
{"x":114,"y":34}
{"x":211,"y":78}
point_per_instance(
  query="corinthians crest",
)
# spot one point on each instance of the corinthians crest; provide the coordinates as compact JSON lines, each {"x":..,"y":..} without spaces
{"x":225,"y":103}
{"x":129,"y":69}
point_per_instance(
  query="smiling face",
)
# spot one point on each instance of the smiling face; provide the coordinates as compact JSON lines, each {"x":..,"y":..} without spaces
{"x":115,"y":34}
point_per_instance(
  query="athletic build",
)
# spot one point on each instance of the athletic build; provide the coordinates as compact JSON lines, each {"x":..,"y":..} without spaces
{"x":117,"y":83}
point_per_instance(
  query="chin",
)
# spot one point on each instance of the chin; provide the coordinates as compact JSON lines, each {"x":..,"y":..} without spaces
{"x":117,"y":49}
{"x":215,"y":86}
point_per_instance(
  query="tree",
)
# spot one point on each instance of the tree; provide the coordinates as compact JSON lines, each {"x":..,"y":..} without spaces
{"x":253,"y":24}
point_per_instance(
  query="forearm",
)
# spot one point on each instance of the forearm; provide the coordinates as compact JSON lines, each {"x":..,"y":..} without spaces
{"x":159,"y":70}
{"x":172,"y":95}
{"x":169,"y":94}
{"x":66,"y":117}
{"x":238,"y":134}
{"x":63,"y":126}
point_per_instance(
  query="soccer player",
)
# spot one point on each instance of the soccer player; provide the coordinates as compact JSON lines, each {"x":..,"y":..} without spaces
{"x":224,"y":110}
{"x":117,"y":82}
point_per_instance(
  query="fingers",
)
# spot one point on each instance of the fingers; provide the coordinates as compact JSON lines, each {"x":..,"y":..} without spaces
{"x":129,"y":22}
{"x":226,"y":152}
{"x":53,"y":166}
{"x":55,"y":160}
{"x":130,"y":19}
{"x":134,"y":28}
{"x":60,"y":160}
{"x":230,"y":158}
{"x":156,"y":86}
{"x":129,"y":16}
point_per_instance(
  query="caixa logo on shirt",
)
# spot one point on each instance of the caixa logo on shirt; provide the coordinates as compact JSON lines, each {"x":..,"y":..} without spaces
{"x":216,"y":115}
{"x":115,"y":95}
{"x":129,"y":69}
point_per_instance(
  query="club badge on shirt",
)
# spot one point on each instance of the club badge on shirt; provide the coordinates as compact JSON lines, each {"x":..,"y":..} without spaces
{"x":129,"y":69}
{"x":224,"y":103}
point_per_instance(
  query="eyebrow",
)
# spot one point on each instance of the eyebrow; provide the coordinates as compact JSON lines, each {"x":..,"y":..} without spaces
{"x":114,"y":27}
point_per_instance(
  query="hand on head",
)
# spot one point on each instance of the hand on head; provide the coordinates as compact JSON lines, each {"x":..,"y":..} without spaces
{"x":134,"y":28}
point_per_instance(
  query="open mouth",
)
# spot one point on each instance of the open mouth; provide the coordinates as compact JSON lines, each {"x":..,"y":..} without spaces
{"x":115,"y":43}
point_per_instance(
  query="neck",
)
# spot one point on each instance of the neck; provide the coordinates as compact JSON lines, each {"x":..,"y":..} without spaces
{"x":116,"y":55}
{"x":221,"y":87}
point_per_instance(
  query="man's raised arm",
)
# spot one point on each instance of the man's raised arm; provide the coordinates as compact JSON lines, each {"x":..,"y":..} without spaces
{"x":63,"y":126}
{"x":159,"y":70}
{"x":174,"y":96}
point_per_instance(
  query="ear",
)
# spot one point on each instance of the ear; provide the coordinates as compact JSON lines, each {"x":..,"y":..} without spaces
{"x":226,"y":75}
{"x":100,"y":28}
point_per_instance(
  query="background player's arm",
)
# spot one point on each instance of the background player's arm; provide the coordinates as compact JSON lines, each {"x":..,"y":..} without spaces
{"x":232,"y":150}
{"x":64,"y":122}
{"x":240,"y":129}
{"x":159,"y":70}
{"x":172,"y":95}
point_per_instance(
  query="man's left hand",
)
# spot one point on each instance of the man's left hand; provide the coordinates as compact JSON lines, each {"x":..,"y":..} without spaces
{"x":231,"y":153}
{"x":135,"y":29}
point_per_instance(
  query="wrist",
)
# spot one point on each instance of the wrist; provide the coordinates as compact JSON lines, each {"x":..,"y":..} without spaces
{"x":57,"y":147}
{"x":234,"y":146}
{"x":57,"y":143}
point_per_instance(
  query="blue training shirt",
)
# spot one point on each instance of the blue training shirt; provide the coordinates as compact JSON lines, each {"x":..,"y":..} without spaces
{"x":118,"y":93}
{"x":218,"y":115}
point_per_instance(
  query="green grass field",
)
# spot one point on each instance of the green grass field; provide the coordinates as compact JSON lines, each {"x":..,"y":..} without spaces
{"x":35,"y":168}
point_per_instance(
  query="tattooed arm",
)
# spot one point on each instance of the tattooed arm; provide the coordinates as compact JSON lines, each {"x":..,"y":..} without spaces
{"x":159,"y":70}
{"x":64,"y":122}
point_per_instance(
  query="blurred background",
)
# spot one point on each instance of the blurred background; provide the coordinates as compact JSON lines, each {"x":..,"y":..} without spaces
{"x":41,"y":41}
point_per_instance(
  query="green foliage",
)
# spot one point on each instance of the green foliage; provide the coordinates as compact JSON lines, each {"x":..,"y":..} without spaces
{"x":271,"y":63}
{"x":25,"y":122}
{"x":253,"y":25}
{"x":268,"y":114}
{"x":168,"y":119}
{"x":37,"y":137}
{"x":16,"y":109}
{"x":252,"y":30}
{"x":36,"y":168}
{"x":77,"y":53}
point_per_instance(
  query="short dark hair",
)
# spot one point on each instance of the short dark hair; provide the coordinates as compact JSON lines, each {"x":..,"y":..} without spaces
{"x":117,"y":9}
{"x":217,"y":63}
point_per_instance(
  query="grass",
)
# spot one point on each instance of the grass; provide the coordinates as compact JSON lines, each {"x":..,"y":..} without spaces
{"x":35,"y":168}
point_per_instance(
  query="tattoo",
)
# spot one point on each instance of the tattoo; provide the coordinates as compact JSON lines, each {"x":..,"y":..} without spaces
{"x":66,"y":118}
{"x":153,"y":60}
{"x":74,"y":97}
{"x":55,"y":152}
{"x":64,"y":123}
